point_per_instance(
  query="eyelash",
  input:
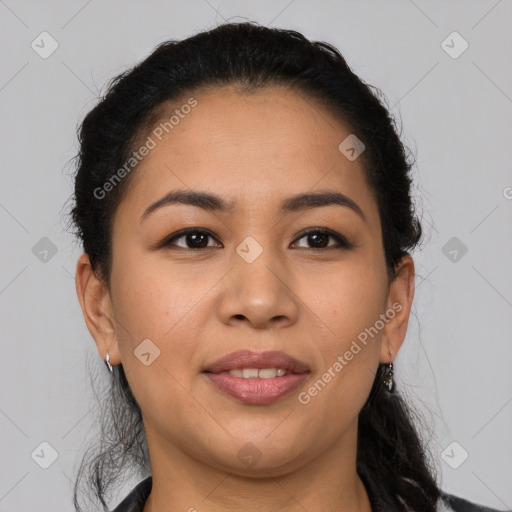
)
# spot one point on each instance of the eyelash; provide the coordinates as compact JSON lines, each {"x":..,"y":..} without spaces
{"x":342,"y":241}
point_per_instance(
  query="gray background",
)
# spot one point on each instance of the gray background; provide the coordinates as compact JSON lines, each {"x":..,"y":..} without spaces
{"x":456,"y":361}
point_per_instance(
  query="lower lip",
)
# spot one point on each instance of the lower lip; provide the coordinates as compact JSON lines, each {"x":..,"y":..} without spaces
{"x":257,"y":391}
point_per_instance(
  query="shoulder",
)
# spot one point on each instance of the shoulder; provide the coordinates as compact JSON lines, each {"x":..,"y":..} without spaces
{"x":135,"y":501}
{"x":451,"y":503}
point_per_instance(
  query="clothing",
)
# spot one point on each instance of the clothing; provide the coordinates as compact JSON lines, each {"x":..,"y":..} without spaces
{"x":135,"y":501}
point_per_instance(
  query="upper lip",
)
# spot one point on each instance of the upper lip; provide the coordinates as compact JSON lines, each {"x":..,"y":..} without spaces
{"x":250,"y":359}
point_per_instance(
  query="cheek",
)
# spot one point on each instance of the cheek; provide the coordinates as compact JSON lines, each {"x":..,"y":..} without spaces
{"x":347,"y":298}
{"x":347,"y":305}
{"x":150,"y":299}
{"x":170,"y":305}
{"x":166,"y":308}
{"x":348,"y":355}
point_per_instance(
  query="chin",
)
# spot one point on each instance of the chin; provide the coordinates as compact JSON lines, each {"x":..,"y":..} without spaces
{"x":260,"y":458}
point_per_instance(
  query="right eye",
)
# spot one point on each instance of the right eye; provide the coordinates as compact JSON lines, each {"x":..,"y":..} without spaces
{"x":194,"y":237}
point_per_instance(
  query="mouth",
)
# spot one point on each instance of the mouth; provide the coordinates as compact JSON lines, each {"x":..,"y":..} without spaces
{"x":257,"y":378}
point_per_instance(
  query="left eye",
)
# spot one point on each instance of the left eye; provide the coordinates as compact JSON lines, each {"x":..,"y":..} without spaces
{"x":198,"y":239}
{"x":320,"y":238}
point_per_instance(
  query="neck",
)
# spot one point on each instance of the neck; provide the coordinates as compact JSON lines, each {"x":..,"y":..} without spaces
{"x":328,"y":482}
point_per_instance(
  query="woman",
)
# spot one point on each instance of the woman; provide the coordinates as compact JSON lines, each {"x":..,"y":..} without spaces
{"x":244,"y":205}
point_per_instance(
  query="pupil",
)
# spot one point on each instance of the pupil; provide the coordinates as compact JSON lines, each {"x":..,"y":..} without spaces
{"x":314,"y":236}
{"x":194,"y":237}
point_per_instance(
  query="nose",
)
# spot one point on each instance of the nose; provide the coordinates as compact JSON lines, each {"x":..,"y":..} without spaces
{"x":260,"y":293}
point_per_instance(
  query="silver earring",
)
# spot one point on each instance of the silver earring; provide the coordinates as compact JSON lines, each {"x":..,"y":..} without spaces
{"x":107,"y":362}
{"x":388,"y":381}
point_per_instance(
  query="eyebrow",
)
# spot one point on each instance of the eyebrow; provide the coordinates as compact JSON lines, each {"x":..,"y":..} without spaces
{"x":211,"y":202}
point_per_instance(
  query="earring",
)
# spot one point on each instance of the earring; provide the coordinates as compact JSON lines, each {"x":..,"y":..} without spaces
{"x":107,"y":362}
{"x":388,"y":381}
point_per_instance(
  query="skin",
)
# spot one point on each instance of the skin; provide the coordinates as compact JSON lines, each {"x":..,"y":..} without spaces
{"x":197,"y":305}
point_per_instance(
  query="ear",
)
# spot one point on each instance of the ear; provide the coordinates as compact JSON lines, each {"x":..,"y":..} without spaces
{"x":401,"y":294}
{"x":96,"y":305}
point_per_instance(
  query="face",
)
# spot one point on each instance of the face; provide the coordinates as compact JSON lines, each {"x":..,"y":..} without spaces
{"x":250,"y":277}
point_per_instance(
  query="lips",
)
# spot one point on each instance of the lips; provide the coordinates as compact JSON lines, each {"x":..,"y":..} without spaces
{"x":250,"y":359}
{"x":256,"y":390}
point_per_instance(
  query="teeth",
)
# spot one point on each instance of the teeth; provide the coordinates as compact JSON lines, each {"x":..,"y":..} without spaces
{"x":250,"y":373}
{"x":267,"y":373}
{"x":255,"y":373}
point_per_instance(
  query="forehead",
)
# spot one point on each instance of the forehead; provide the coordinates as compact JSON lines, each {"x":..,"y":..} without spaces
{"x":252,"y":149}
